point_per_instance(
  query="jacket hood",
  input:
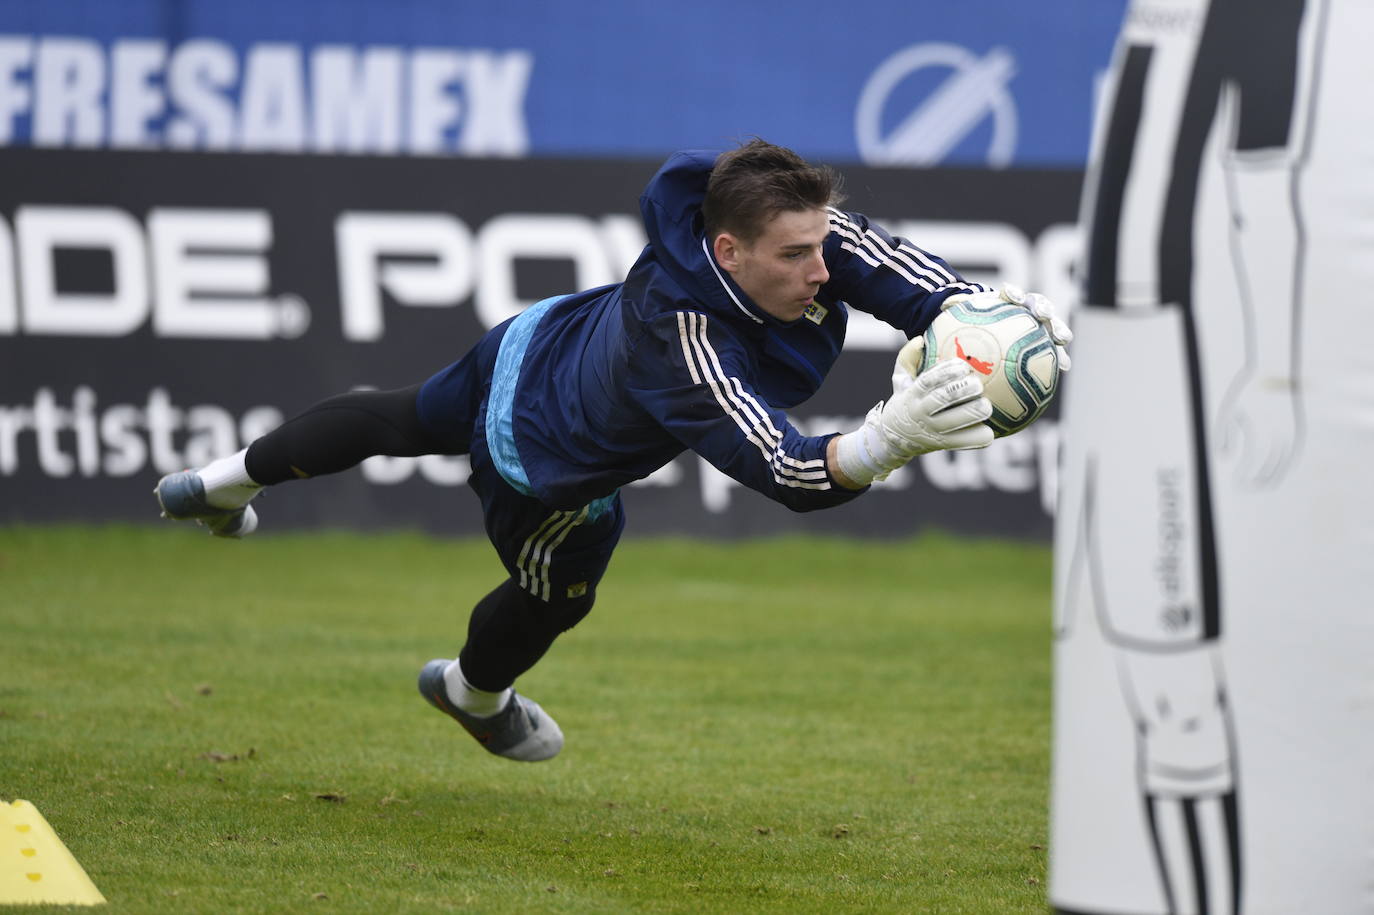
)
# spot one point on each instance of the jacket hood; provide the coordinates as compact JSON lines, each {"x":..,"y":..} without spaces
{"x":671,"y":207}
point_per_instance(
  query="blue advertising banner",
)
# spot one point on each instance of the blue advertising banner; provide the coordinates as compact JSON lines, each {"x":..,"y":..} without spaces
{"x":984,"y":83}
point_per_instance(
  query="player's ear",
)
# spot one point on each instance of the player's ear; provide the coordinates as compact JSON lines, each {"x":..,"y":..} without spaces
{"x":726,"y":248}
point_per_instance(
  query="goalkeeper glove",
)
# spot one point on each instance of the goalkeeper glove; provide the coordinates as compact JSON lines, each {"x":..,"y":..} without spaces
{"x":1043,"y":310}
{"x":942,"y":408}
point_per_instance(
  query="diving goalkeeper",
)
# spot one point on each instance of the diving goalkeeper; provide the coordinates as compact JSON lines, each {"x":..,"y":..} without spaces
{"x":734,"y":312}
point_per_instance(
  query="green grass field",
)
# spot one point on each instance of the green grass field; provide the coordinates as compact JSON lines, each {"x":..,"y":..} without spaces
{"x":783,"y":725}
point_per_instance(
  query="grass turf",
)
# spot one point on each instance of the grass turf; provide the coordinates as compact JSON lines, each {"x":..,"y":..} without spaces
{"x":781,"y":725}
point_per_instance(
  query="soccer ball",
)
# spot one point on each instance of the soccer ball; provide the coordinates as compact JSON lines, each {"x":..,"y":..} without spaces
{"x":1009,"y":350}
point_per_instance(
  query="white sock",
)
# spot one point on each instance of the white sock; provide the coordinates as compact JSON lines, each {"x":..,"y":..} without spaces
{"x":469,"y":698}
{"x":227,"y":483}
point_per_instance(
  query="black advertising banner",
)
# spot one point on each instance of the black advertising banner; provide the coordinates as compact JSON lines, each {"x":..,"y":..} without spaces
{"x":160,"y":309}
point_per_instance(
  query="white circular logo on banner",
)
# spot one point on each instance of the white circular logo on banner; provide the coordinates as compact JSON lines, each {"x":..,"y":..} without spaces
{"x":974,"y":89}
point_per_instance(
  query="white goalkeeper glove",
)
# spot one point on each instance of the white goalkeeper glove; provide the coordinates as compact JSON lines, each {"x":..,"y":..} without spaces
{"x":942,"y":408}
{"x":908,"y":364}
{"x":1040,"y":307}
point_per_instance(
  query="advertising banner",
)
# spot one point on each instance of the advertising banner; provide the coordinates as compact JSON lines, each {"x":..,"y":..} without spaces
{"x":161,"y":309}
{"x":985,"y":83}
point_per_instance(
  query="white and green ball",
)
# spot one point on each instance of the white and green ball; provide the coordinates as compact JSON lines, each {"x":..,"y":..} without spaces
{"x":1010,"y":352}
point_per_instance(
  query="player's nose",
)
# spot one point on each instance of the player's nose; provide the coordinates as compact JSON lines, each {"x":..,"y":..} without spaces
{"x":818,"y":273}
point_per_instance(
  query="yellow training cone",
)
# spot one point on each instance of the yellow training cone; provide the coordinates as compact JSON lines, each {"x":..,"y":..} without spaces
{"x":35,"y":867}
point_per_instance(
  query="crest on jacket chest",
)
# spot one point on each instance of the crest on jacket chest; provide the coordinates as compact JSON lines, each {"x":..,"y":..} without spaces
{"x":794,"y":360}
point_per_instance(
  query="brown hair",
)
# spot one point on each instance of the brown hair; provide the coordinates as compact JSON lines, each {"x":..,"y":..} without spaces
{"x":751,"y":184}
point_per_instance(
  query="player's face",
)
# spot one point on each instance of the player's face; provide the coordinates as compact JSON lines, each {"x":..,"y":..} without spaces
{"x":782,"y":269}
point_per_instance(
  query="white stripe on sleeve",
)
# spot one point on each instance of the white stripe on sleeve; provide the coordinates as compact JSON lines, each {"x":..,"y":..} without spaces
{"x":743,"y":409}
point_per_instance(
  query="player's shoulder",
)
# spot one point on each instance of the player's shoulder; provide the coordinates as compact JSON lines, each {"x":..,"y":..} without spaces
{"x":846,"y":222}
{"x":692,"y":335}
{"x":670,"y":322}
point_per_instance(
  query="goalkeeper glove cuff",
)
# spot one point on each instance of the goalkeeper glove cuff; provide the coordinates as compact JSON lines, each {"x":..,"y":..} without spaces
{"x":944,"y":407}
{"x":866,"y":454}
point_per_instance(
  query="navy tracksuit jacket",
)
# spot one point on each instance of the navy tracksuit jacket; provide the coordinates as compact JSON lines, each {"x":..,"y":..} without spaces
{"x":615,"y":382}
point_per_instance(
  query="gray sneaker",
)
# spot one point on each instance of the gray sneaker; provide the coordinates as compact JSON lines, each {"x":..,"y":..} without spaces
{"x":521,"y":730}
{"x":182,"y":497}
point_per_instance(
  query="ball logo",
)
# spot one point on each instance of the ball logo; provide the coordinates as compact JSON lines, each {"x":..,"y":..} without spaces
{"x":971,"y":90}
{"x":983,"y":367}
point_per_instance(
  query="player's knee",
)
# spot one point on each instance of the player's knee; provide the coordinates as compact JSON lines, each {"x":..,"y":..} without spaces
{"x":562,"y":611}
{"x":571,"y":610}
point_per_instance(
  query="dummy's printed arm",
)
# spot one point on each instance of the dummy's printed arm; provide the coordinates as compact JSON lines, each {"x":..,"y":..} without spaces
{"x":1261,"y":416}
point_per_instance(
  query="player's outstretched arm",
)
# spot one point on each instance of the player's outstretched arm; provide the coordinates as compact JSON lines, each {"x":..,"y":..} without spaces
{"x":943,"y":408}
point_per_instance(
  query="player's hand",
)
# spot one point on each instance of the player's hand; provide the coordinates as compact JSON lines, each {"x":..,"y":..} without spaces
{"x":1043,"y":310}
{"x":943,"y":408}
{"x":908,"y":364}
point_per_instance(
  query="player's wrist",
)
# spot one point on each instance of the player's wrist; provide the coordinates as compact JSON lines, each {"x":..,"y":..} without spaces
{"x":867,"y":454}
